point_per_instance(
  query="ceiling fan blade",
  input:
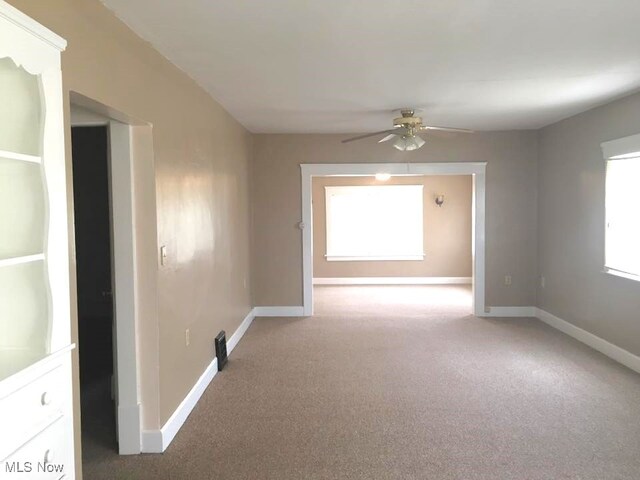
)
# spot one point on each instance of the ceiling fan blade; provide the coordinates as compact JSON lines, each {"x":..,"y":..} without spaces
{"x":446,"y":129}
{"x":367,"y":135}
{"x":397,"y":132}
{"x":441,"y":134}
{"x":388,"y":137}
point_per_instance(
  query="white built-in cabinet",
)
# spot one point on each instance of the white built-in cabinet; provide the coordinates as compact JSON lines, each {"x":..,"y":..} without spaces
{"x":36,"y":418}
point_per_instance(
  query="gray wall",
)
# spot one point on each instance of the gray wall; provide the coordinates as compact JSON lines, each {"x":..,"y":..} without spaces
{"x":571,"y":225}
{"x":511,"y":205}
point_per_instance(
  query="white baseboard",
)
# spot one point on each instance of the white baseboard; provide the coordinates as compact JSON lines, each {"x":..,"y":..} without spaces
{"x":278,"y":311}
{"x":510,"y":312}
{"x":240,"y":331}
{"x":392,"y":281}
{"x":128,"y":422}
{"x":151,"y":441}
{"x":612,"y":351}
{"x":157,"y":441}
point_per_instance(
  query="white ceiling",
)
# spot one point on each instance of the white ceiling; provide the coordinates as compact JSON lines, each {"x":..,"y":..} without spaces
{"x":329,"y":66}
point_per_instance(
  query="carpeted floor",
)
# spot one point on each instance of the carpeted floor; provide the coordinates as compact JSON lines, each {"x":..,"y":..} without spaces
{"x":403,"y":383}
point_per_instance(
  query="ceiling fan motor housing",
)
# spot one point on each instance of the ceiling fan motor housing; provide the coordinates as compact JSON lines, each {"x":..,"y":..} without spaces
{"x":407,"y":121}
{"x":411,"y":123}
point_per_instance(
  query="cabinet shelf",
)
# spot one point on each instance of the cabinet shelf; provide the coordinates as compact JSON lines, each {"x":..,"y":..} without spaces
{"x":20,"y":156}
{"x":7,"y":262}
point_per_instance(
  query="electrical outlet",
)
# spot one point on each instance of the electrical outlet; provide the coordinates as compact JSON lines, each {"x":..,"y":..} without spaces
{"x":507,"y":279}
{"x":543,"y":281}
{"x":187,"y":337}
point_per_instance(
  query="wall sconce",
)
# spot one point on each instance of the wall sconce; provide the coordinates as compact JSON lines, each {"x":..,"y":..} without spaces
{"x":439,"y":200}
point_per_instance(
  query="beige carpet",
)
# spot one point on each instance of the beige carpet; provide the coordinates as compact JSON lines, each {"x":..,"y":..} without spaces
{"x":402,"y":383}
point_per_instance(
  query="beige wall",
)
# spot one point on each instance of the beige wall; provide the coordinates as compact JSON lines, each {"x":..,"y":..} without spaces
{"x":571,"y":220}
{"x":201,"y":158}
{"x":447,"y":230}
{"x":511,"y":205}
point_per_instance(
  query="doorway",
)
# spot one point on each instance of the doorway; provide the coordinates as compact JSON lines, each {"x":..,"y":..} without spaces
{"x":126,"y":140}
{"x":475,"y":169}
{"x":403,"y":240}
{"x":94,"y":259}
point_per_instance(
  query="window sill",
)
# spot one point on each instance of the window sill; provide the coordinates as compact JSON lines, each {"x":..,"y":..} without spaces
{"x":382,"y":258}
{"x":617,"y":273}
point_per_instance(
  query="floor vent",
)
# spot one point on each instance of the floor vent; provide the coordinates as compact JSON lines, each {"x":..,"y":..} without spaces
{"x":221,"y":350}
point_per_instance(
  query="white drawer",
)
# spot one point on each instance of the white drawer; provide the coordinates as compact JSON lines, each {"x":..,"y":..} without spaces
{"x":30,"y":409}
{"x":45,"y":457}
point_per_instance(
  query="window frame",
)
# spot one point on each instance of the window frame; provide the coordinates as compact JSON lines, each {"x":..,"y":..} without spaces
{"x":626,"y":148}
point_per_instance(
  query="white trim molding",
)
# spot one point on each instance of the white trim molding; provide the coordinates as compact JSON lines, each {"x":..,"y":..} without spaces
{"x":618,"y":273}
{"x":27,"y":23}
{"x":123,"y":228}
{"x":151,"y":441}
{"x":240,"y":331}
{"x":621,"y":148}
{"x":612,"y":351}
{"x":129,"y":433}
{"x":392,"y":280}
{"x":476,"y":169}
{"x":514,"y":312}
{"x":380,"y":258}
{"x":157,"y":441}
{"x":279,"y":311}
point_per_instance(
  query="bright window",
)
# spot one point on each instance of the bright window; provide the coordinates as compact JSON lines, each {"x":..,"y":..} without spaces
{"x":374,"y":223}
{"x":622,"y":239}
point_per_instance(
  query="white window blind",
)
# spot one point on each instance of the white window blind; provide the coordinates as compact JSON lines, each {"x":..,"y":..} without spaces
{"x":622,"y":250}
{"x":374,"y":222}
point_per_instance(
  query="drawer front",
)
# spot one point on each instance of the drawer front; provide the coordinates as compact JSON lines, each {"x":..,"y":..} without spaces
{"x":30,"y":409}
{"x":45,"y":457}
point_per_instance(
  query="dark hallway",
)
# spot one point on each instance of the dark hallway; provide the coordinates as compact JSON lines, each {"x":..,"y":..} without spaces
{"x":95,"y":301}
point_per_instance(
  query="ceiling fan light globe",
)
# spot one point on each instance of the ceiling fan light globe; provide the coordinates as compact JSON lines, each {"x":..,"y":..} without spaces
{"x":400,"y":144}
{"x":412,"y":143}
{"x":409,"y":143}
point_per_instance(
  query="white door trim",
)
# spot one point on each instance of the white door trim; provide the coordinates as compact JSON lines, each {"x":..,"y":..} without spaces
{"x":123,"y":273}
{"x":476,"y":169}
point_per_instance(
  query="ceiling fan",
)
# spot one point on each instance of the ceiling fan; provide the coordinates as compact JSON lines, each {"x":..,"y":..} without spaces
{"x":405,"y":131}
